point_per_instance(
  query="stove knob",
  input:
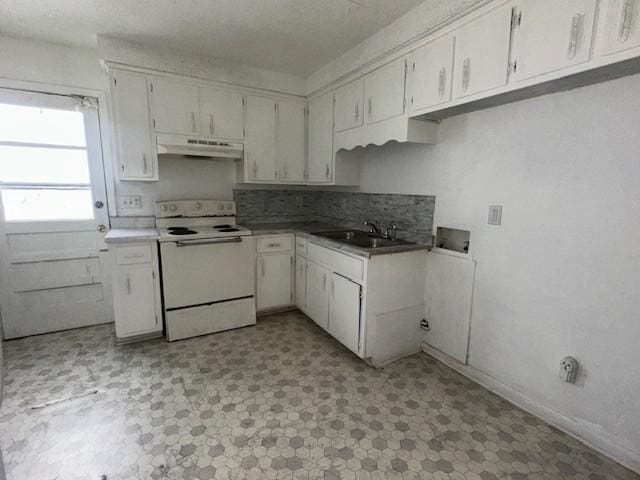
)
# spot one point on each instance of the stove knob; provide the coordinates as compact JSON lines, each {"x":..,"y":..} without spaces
{"x":197,"y":206}
{"x":173,"y":208}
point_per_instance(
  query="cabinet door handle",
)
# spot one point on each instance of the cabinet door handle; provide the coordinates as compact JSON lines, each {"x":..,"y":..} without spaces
{"x":466,"y":73}
{"x":324,"y":282}
{"x":626,"y":16}
{"x":212,"y":127}
{"x":370,"y":106}
{"x":327,"y":172}
{"x":442,"y":78}
{"x":128,"y":285}
{"x":144,"y":163}
{"x":574,"y":35}
{"x":255,"y":169}
{"x":193,"y":121}
{"x":333,"y":289}
{"x":357,"y":112}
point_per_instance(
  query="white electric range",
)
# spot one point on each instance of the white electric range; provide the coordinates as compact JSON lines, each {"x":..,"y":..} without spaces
{"x":208,"y":268}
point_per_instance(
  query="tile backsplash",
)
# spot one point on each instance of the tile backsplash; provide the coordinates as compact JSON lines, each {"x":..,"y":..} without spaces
{"x":413,"y":214}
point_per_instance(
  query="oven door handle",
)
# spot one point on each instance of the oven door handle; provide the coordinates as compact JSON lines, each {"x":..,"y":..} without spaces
{"x":189,"y":243}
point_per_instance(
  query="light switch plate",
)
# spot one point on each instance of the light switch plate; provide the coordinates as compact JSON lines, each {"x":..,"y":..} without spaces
{"x":495,"y":215}
{"x":130,"y":202}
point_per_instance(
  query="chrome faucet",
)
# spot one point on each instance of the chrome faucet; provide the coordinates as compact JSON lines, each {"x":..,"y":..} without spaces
{"x":391,"y":232}
{"x":373,"y":228}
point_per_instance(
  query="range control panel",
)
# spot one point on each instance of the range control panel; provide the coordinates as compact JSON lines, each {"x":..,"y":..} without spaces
{"x":195,"y":208}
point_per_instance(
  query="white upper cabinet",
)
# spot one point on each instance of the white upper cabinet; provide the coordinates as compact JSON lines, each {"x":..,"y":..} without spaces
{"x":221,"y":114}
{"x":551,"y":35}
{"x":622,"y":30}
{"x":175,"y":107}
{"x":384,"y":92}
{"x":482,"y":53}
{"x":321,"y":156}
{"x":429,"y":80}
{"x":291,"y":142}
{"x":260,"y":139}
{"x":348,"y":111}
{"x":132,"y":129}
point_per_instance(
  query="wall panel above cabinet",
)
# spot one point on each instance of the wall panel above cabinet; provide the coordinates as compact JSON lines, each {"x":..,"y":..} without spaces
{"x":175,"y":107}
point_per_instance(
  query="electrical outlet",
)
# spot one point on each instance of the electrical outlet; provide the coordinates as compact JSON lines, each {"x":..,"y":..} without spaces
{"x":130,"y":202}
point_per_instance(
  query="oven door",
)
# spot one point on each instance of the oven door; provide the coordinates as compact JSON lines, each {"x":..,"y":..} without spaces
{"x":199,"y":272}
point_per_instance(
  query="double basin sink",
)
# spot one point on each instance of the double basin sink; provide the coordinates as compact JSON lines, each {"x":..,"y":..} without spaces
{"x":357,"y":238}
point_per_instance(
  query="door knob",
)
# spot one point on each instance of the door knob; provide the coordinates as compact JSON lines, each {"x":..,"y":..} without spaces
{"x":101,"y":228}
{"x":99,"y":204}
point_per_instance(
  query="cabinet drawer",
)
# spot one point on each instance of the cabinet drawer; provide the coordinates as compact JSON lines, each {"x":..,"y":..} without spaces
{"x":133,"y":254}
{"x":301,"y":246}
{"x":338,"y":262}
{"x":280,"y":243}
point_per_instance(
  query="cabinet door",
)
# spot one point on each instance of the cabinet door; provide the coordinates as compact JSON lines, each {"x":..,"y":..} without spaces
{"x":274,"y":281}
{"x":622,"y":30}
{"x":135,"y":300}
{"x":317,"y":298}
{"x":260,"y":139}
{"x":321,"y":156}
{"x":175,"y":107}
{"x":384,"y":92}
{"x":301,"y":283}
{"x":291,"y":142}
{"x":545,"y":43}
{"x":482,"y":53}
{"x":221,"y":114}
{"x":430,"y":74}
{"x":344,"y":312}
{"x":348,"y":107}
{"x":132,"y":128}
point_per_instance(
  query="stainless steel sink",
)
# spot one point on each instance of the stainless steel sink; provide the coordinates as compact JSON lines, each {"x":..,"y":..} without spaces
{"x":362,"y":239}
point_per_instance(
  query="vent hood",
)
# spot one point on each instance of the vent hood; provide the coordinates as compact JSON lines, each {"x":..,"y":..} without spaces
{"x":194,"y":147}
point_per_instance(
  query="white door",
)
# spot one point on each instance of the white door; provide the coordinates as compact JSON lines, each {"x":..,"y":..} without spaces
{"x":321,"y":155}
{"x":52,"y":214}
{"x":344,"y":312}
{"x":482,"y":53}
{"x":430,"y":74}
{"x":132,"y":127}
{"x":384,"y":92}
{"x":175,"y":107}
{"x":545,"y":43}
{"x":274,"y":279}
{"x":622,"y":26}
{"x":135,"y":289}
{"x":301,"y":283}
{"x":348,"y":105}
{"x":291,"y":142}
{"x":317,"y":298}
{"x":221,"y":114}
{"x":260,"y":139}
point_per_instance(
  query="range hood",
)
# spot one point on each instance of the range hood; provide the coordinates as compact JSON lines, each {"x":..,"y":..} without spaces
{"x":194,"y":147}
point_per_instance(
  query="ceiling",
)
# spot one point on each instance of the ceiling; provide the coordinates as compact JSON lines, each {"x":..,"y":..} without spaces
{"x":289,"y":36}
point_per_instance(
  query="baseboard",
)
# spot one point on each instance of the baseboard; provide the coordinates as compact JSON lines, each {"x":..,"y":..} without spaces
{"x":271,"y":311}
{"x":593,"y":439}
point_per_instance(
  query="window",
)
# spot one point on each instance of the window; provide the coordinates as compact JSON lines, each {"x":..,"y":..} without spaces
{"x":44,"y":164}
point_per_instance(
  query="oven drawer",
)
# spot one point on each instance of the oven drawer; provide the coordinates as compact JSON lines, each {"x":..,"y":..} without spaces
{"x":131,"y":255}
{"x":205,"y":271}
{"x":274,"y":243}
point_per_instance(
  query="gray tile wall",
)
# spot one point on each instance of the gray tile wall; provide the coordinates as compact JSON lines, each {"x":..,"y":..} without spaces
{"x":413,"y":214}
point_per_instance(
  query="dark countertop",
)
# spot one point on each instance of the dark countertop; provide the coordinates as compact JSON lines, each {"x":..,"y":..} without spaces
{"x":306,"y":229}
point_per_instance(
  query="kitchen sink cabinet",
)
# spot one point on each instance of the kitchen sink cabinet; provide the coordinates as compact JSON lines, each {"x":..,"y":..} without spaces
{"x":301,"y":283}
{"x":344,"y":311}
{"x":136,"y":291}
{"x":317,"y":298}
{"x":274,"y":275}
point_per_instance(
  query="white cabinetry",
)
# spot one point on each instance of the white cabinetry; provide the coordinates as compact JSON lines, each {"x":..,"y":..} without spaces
{"x":260,"y":139}
{"x":301,"y":274}
{"x":482,"y":53}
{"x":551,"y":35}
{"x":344,"y":312}
{"x":274,"y":279}
{"x":429,"y":80}
{"x":317,"y":294}
{"x":321,"y":155}
{"x":136,"y":290}
{"x":221,"y":114}
{"x":349,"y":105}
{"x":175,"y":107}
{"x":291,"y":142}
{"x":384,"y":92}
{"x":132,"y":129}
{"x":622,"y":28}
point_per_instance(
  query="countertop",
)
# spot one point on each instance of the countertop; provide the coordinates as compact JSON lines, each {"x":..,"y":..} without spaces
{"x":306,"y":230}
{"x":129,"y":235}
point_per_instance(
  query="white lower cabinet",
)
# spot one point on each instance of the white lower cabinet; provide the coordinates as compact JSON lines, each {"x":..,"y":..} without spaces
{"x":274,"y":275}
{"x":301,"y":283}
{"x":344,"y":311}
{"x":316,"y":295}
{"x":136,"y":291}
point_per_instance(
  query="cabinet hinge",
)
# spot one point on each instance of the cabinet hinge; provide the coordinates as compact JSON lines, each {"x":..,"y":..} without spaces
{"x":153,"y":274}
{"x":153,"y":121}
{"x":156,"y":319}
{"x":512,"y":67}
{"x":151,"y":87}
{"x":115,"y":81}
{"x":414,"y":66}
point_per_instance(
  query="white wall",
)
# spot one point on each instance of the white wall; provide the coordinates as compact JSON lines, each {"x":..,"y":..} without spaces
{"x":560,"y":276}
